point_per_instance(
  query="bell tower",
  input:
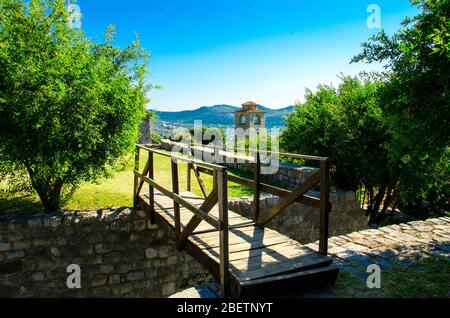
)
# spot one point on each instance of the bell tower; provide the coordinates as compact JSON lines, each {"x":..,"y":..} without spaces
{"x":250,"y":117}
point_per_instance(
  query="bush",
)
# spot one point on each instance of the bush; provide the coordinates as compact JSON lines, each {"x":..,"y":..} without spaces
{"x":346,"y":125}
{"x":416,"y":104}
{"x":68,"y":107}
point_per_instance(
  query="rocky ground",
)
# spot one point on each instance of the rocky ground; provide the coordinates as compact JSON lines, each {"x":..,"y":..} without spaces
{"x":389,"y":247}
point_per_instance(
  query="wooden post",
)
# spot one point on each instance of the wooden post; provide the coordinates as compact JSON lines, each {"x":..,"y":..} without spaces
{"x":257,"y":192}
{"x":324,"y":205}
{"x":151,"y":190}
{"x":189,"y":170}
{"x":222,"y":188}
{"x":149,"y":127}
{"x":136,"y":178}
{"x":176,"y":190}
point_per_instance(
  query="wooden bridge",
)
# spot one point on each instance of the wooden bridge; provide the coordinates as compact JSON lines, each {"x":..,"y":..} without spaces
{"x":247,"y":258}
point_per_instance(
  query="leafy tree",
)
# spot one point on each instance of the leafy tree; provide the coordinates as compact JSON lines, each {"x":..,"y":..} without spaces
{"x":416,"y":99}
{"x":346,"y":124}
{"x":69,"y":107}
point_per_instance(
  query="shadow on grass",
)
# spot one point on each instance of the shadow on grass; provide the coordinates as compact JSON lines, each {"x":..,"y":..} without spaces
{"x":23,"y":205}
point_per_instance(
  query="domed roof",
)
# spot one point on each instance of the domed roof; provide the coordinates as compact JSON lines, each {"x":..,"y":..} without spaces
{"x":250,"y":107}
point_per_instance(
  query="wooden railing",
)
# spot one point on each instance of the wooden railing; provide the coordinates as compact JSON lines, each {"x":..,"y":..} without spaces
{"x":321,"y":177}
{"x":218,"y":195}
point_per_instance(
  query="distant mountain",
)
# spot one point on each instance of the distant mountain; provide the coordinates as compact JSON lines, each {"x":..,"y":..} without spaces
{"x":220,"y":116}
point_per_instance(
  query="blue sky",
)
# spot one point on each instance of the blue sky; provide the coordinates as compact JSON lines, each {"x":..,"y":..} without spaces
{"x":207,"y":52}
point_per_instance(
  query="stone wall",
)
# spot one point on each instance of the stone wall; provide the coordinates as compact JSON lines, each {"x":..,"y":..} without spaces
{"x":120,"y":254}
{"x":145,"y":130}
{"x":289,"y":176}
{"x":301,"y":222}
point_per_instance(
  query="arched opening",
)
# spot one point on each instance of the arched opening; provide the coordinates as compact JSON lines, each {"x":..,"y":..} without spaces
{"x":257,"y":120}
{"x":243,"y":120}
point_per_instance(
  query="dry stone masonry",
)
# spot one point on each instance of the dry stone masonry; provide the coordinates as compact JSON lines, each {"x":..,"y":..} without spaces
{"x":120,"y":254}
{"x":301,"y":222}
{"x":404,"y":243}
{"x":354,"y":252}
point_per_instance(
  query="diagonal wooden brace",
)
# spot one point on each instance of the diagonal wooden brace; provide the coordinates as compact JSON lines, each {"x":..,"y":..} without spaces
{"x":142,"y":181}
{"x":207,"y":206}
{"x":199,"y":180}
{"x":289,"y":199}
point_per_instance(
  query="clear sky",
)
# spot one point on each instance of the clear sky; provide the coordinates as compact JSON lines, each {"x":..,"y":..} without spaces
{"x":208,"y":52}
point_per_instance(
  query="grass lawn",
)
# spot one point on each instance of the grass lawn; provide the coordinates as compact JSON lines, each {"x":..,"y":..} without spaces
{"x":427,"y":278}
{"x":117,"y":191}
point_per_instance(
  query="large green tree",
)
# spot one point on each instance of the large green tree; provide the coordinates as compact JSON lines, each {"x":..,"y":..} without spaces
{"x":69,"y":107}
{"x":416,"y":99}
{"x":346,"y":124}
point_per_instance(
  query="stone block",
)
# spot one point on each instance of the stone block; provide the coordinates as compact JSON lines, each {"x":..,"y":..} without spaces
{"x":86,"y":250}
{"x":114,"y":279}
{"x":34,"y":223}
{"x":139,"y":225}
{"x":38,"y":277}
{"x":135,"y":276}
{"x":106,"y":269}
{"x":151,"y":253}
{"x":164,"y":252}
{"x":55,"y":252}
{"x":99,"y":280}
{"x":15,"y":255}
{"x":168,"y":289}
{"x":102,"y":248}
{"x":5,"y":247}
{"x":52,"y":221}
{"x":14,"y":236}
{"x":42,"y":242}
{"x":124,"y":268}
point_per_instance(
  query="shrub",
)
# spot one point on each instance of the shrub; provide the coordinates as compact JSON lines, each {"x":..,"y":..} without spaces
{"x":416,"y":102}
{"x":346,"y":125}
{"x":68,"y":107}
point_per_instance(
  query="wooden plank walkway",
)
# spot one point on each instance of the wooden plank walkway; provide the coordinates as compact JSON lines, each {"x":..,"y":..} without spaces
{"x":262,"y":261}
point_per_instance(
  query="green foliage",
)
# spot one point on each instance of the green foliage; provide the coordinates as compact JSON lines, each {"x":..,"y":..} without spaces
{"x":425,"y":278}
{"x":389,"y":135}
{"x":416,"y":100}
{"x":68,"y":107}
{"x":433,"y":199}
{"x":156,"y":139}
{"x":345,"y":124}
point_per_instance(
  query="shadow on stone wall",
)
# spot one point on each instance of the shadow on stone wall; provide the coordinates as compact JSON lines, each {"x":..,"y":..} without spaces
{"x":301,"y":222}
{"x":120,"y":254}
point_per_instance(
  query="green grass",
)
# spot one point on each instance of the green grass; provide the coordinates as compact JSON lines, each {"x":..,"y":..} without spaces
{"x":427,"y":278}
{"x":117,"y":190}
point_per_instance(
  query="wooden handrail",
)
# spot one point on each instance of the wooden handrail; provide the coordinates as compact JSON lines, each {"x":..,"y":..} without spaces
{"x":254,"y":151}
{"x":181,"y":158}
{"x":267,"y":188}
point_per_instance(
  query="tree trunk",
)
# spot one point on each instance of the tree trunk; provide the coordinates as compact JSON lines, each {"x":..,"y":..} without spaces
{"x":50,"y":195}
{"x":375,"y":205}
